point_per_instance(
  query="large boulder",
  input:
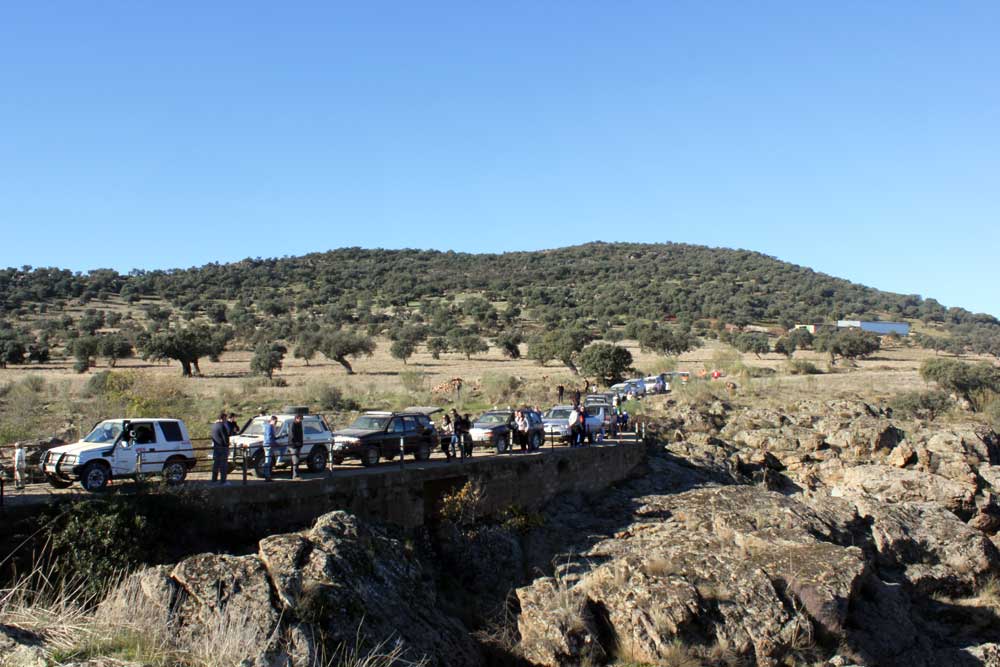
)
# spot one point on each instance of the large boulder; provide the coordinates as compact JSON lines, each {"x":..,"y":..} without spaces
{"x":895,"y":485}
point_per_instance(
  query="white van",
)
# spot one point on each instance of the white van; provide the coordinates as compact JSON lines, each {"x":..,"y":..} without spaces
{"x":122,"y":448}
{"x":316,"y":439}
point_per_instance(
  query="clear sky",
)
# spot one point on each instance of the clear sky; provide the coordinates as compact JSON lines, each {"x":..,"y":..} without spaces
{"x":861,"y":139}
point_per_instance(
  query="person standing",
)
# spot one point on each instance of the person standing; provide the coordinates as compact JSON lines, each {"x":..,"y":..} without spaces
{"x":522,"y":430}
{"x":20,"y":466}
{"x":295,"y":440}
{"x":560,"y":390}
{"x":270,"y":443}
{"x":220,"y":449}
{"x":574,"y":426}
{"x":234,"y":428}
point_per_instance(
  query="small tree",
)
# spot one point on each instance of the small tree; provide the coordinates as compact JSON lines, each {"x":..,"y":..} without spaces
{"x":470,"y":344}
{"x":267,"y":358}
{"x":307,"y":345}
{"x":187,"y":345}
{"x":755,"y":342}
{"x":85,"y":348}
{"x":509,"y":343}
{"x":608,"y":362}
{"x":848,"y":343}
{"x":563,"y":345}
{"x":403,"y":349}
{"x":341,"y":344}
{"x":437,"y":346}
{"x":785,"y":345}
{"x":113,"y":347}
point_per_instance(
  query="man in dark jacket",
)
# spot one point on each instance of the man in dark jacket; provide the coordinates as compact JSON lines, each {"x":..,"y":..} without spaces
{"x":220,"y":449}
{"x":295,"y":441}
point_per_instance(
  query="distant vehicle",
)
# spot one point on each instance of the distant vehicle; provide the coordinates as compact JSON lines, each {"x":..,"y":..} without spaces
{"x":636,"y":387}
{"x":376,"y":435}
{"x":122,"y":448}
{"x":316,"y":439}
{"x":606,"y":401}
{"x":556,"y":420}
{"x":495,"y":428}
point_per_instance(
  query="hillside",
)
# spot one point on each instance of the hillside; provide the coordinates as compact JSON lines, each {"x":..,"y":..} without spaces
{"x":596,"y":280}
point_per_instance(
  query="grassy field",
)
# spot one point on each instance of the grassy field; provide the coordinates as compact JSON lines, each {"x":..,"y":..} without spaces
{"x":39,"y":401}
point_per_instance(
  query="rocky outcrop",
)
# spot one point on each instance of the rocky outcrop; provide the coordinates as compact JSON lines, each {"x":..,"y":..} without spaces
{"x":825,"y":533}
{"x":303,"y":594}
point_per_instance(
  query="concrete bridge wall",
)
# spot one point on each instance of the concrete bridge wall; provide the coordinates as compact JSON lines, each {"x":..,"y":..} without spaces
{"x":408,"y":497}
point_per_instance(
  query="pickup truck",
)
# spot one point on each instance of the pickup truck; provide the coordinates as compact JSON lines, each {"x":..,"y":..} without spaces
{"x":119,"y":449}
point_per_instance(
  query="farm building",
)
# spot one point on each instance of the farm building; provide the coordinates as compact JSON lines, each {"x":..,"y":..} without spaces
{"x":880,"y":328}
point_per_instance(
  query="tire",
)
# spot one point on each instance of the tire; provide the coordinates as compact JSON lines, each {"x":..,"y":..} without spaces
{"x":95,"y":476}
{"x":337,"y":460}
{"x":422,"y":453}
{"x":175,"y":471}
{"x":500,"y":444}
{"x":58,"y":482}
{"x":257,"y":463}
{"x":370,"y":457}
{"x":536,"y":441}
{"x":316,"y":461}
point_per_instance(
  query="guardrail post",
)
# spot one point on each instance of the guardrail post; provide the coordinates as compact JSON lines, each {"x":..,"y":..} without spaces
{"x":244,"y":457}
{"x":402,"y":451}
{"x":138,"y":466}
{"x":1,"y":491}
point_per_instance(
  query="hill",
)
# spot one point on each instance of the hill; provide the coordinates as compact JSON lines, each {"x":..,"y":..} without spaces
{"x":596,"y":280}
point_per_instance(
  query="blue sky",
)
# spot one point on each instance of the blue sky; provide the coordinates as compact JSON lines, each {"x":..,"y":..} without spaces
{"x":861,"y":139}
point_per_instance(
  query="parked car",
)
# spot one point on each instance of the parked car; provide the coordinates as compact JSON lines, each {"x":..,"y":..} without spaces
{"x":495,"y":428}
{"x":636,"y":387}
{"x":316,"y":439}
{"x":556,"y":420}
{"x":376,"y":435}
{"x":122,"y":448}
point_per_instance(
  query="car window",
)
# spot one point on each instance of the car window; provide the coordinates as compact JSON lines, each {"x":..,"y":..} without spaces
{"x":396,"y":425}
{"x":423,"y":421}
{"x":312,"y":427}
{"x":494,"y":418}
{"x":144,"y":433}
{"x":562,"y":413}
{"x":370,"y":423}
{"x":171,"y":431}
{"x":410,"y":424}
{"x":105,"y":432}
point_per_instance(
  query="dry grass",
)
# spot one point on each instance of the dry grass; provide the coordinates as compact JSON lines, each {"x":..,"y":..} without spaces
{"x":125,"y":626}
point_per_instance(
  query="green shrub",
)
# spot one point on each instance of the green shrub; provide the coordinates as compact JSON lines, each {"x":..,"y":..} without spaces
{"x":803,"y":367}
{"x":413,"y":381}
{"x":921,"y":404}
{"x":500,"y":387}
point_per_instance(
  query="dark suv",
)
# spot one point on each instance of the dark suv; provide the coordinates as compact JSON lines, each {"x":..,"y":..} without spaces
{"x":377,"y":435}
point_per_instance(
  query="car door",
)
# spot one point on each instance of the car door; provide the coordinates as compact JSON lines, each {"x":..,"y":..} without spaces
{"x":413,"y":433}
{"x":395,"y":431}
{"x":140,"y":437}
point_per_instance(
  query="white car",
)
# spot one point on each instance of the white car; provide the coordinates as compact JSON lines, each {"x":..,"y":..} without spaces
{"x":316,"y":441}
{"x":122,"y":448}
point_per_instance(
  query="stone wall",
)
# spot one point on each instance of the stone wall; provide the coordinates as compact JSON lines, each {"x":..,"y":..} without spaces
{"x":407,"y":496}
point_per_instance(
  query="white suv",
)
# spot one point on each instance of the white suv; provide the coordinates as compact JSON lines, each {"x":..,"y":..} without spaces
{"x":315,"y":450}
{"x":122,"y":448}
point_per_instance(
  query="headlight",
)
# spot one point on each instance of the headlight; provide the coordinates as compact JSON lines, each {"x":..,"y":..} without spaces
{"x":344,"y":440}
{"x":69,"y":459}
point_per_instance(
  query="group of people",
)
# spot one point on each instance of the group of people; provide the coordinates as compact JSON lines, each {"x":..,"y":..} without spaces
{"x":455,"y":438}
{"x":225,"y":427}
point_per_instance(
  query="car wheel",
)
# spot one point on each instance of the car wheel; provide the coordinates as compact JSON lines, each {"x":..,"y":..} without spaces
{"x":500,"y":444}
{"x":258,"y":465}
{"x":57,"y":482}
{"x":423,"y":453}
{"x":370,"y":457}
{"x":317,"y":459}
{"x":175,"y":471}
{"x":95,"y":476}
{"x":536,"y":440}
{"x":337,"y":460}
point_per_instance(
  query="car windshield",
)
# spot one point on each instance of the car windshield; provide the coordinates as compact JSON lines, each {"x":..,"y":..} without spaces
{"x":370,"y":423}
{"x":494,"y":418}
{"x":256,"y":427}
{"x":106,"y":431}
{"x":557,"y":413}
